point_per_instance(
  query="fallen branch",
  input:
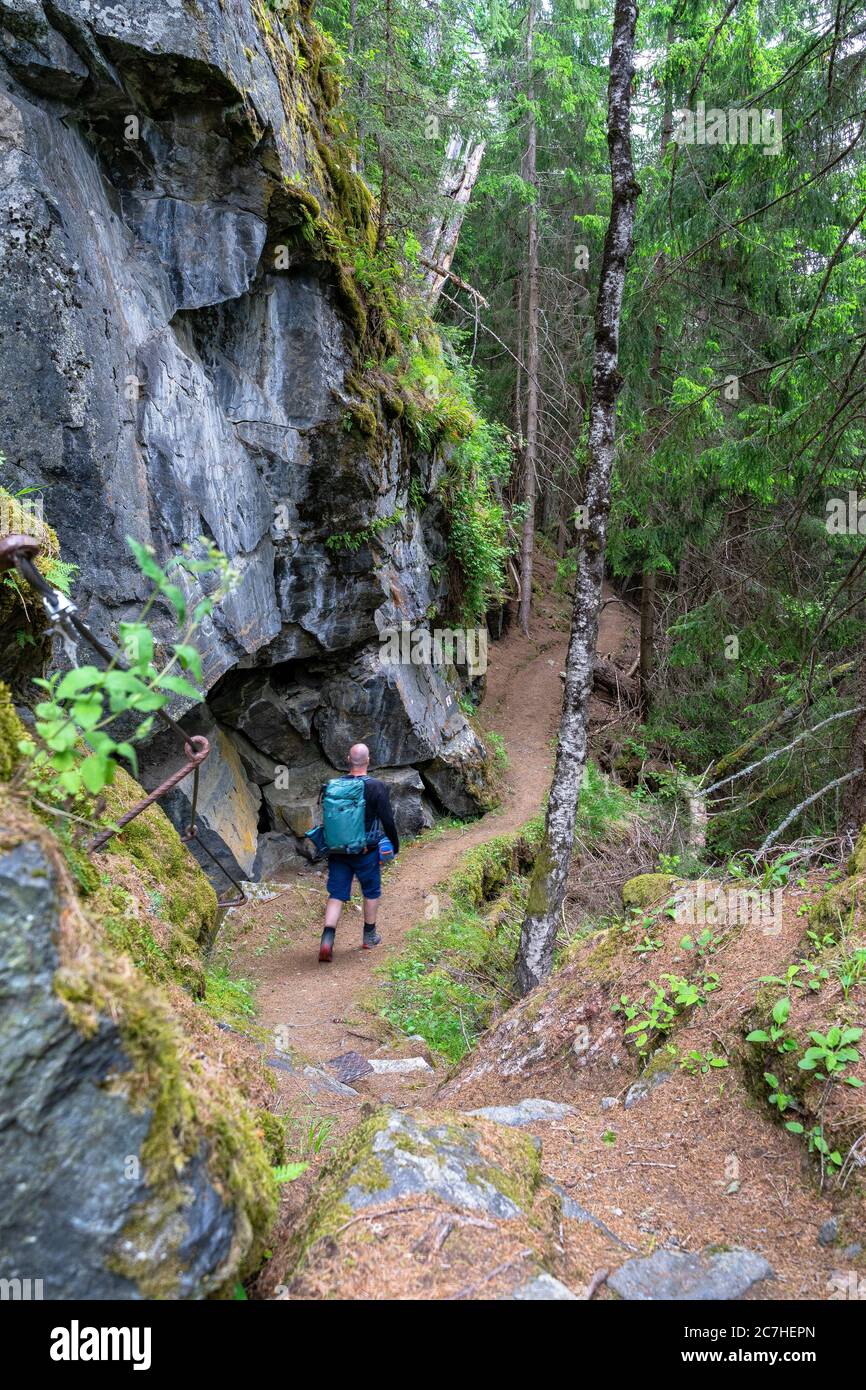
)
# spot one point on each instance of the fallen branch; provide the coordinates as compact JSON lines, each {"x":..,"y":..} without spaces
{"x":782,"y":720}
{"x":608,"y":677}
{"x":447,"y":274}
{"x":792,"y":815}
{"x":777,"y":753}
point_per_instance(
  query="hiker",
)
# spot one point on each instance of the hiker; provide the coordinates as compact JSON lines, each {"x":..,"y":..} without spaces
{"x":356,"y":820}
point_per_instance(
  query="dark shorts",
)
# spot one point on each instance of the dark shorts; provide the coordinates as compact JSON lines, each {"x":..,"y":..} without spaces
{"x":365,"y":867}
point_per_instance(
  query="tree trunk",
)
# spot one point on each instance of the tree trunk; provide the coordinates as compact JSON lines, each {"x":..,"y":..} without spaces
{"x":547,"y":891}
{"x":852,"y":813}
{"x":647,"y":635}
{"x":530,"y":455}
{"x":456,"y":182}
{"x":384,"y":154}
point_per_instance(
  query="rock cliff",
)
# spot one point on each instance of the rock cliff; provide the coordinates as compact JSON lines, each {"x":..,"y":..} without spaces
{"x":186,"y":351}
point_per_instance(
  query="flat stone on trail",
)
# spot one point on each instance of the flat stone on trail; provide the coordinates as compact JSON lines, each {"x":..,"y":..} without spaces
{"x":674,"y":1275}
{"x":544,"y":1288}
{"x":350,"y":1066}
{"x":320,"y":1081}
{"x":383,"y":1065}
{"x":525,"y":1112}
{"x":279,"y":1063}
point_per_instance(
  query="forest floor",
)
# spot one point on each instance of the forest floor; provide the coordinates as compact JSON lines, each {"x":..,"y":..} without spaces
{"x":698,"y":1164}
{"x":276,"y":942}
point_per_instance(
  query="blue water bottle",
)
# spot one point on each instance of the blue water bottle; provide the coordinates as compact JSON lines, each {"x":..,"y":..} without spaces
{"x":386,"y":850}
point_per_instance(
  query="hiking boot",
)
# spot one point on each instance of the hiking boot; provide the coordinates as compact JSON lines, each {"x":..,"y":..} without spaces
{"x":371,"y":939}
{"x":326,"y":947}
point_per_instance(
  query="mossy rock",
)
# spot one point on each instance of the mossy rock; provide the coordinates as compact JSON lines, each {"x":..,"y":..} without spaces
{"x":12,"y":731}
{"x":648,"y":890}
{"x":151,"y":842}
{"x":182,"y":1197}
{"x":395,"y":1156}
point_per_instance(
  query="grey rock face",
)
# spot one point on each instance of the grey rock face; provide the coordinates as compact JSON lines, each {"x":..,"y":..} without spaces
{"x":164,"y":375}
{"x":66,"y":1135}
{"x":227,"y":812}
{"x":412,"y":810}
{"x":402,"y":713}
{"x":275,"y":854}
{"x":525,"y":1112}
{"x":457,"y":775}
{"x":675,"y":1275}
{"x":828,"y":1231}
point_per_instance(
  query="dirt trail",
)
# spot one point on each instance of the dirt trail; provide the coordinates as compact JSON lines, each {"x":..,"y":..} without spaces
{"x":317,"y":1004}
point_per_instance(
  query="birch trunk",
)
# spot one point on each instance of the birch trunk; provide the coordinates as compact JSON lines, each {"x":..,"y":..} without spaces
{"x":547,"y":891}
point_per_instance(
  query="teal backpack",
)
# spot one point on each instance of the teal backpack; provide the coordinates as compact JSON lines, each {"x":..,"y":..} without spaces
{"x":343,"y":816}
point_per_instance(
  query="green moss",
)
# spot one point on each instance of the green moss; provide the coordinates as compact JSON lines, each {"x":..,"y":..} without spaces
{"x":517,"y":1172}
{"x":647,"y":890}
{"x":351,"y":1164}
{"x":274,"y":1130}
{"x":24,"y":645}
{"x":187,"y":899}
{"x":364,"y":417}
{"x":537,"y":902}
{"x":12,"y":731}
{"x":194,"y":1112}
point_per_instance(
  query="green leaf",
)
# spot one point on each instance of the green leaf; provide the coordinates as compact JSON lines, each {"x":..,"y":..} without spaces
{"x":189,"y":658}
{"x":87,"y":713}
{"x":176,"y":598}
{"x":794,"y":1126}
{"x":179,"y":686}
{"x":781,"y":1010}
{"x":94,"y":773}
{"x":757,"y":1036}
{"x":82,"y":678}
{"x":289,"y":1172}
{"x":144,"y":558}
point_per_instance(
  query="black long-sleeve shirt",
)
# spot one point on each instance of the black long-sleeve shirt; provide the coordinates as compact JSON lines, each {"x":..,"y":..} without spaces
{"x":377,"y":806}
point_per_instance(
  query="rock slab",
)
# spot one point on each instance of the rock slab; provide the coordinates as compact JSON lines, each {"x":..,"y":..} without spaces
{"x":673,"y":1275}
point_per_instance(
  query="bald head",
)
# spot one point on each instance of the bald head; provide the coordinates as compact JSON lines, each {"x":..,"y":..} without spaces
{"x":359,"y":757}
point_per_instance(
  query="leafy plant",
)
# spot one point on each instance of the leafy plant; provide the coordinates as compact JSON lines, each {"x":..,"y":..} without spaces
{"x":83,"y":704}
{"x":289,"y":1172}
{"x":696,"y":1062}
{"x":832,"y":1051}
{"x":655,"y":1016}
{"x":777,"y":1096}
{"x":776,"y":1034}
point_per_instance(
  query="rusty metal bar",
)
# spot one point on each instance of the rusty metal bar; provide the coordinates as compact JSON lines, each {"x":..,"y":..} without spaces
{"x":195,"y":758}
{"x":19,"y":552}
